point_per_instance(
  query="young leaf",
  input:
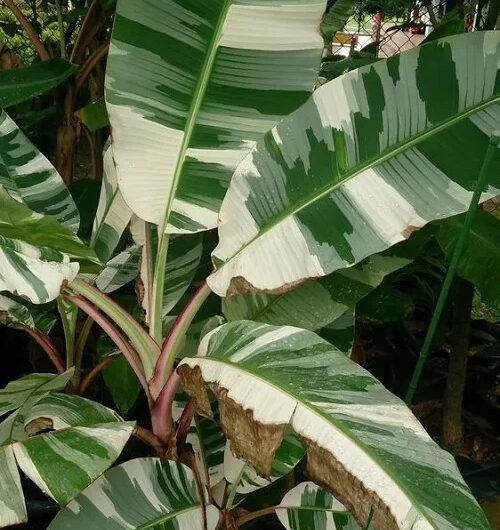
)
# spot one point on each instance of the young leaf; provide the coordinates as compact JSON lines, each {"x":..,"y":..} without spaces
{"x":85,"y":193}
{"x":94,"y":115}
{"x":370,"y":158}
{"x":113,"y":215}
{"x":363,"y":443}
{"x":142,"y":493}
{"x":28,"y":176}
{"x":480,"y":259}
{"x":308,"y":507}
{"x":189,"y":89}
{"x":22,"y":84}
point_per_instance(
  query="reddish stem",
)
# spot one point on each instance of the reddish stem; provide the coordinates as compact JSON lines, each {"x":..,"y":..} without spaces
{"x":186,"y":419}
{"x":83,"y":27}
{"x":165,"y":361}
{"x":48,"y":347}
{"x":254,"y":515}
{"x":90,"y":64}
{"x":115,"y":336}
{"x":89,"y":378}
{"x":161,"y":415}
{"x":150,"y":439}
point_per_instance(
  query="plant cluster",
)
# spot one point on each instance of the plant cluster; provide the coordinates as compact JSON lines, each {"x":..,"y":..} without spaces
{"x":239,"y":341}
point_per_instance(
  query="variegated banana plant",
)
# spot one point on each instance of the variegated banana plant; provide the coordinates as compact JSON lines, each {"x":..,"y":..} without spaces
{"x":316,"y":197}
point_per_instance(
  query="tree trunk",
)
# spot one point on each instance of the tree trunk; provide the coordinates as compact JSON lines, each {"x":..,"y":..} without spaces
{"x":457,"y":369}
{"x":66,"y":137}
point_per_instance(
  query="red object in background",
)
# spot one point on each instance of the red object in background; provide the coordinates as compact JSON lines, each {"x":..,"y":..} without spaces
{"x":469,"y":23}
{"x":415,"y":30}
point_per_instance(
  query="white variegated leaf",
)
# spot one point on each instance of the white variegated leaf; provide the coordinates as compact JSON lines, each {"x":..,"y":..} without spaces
{"x":183,"y":257}
{"x":113,"y":215}
{"x":36,"y":273}
{"x":14,"y":313}
{"x":85,"y":439}
{"x":142,"y":493}
{"x":373,"y":156}
{"x":61,"y":442}
{"x":309,"y":507}
{"x":316,"y":304}
{"x":30,"y":177}
{"x":363,"y":443}
{"x":37,"y":254}
{"x":190,"y":87}
{"x":29,"y":389}
{"x":120,"y":270}
{"x":12,"y":505}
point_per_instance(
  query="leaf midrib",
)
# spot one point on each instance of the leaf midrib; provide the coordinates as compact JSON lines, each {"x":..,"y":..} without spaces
{"x":371,"y":162}
{"x":167,"y":517}
{"x":316,"y":411}
{"x":194,"y":109}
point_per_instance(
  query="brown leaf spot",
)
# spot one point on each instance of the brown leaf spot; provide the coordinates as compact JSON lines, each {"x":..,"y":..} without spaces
{"x":38,"y":426}
{"x":250,"y":440}
{"x":257,"y":443}
{"x":330,"y":474}
{"x":193,"y":384}
{"x":240,"y":285}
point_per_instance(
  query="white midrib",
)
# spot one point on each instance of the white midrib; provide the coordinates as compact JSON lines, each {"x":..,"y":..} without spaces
{"x":194,"y":109}
{"x":322,"y":418}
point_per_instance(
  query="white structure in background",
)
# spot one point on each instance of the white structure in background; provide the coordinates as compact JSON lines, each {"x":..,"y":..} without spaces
{"x":356,"y":35}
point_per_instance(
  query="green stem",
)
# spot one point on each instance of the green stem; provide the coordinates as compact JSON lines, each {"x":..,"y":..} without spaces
{"x":457,"y":251}
{"x":170,"y":348}
{"x":156,"y":302}
{"x":145,"y":346}
{"x":80,"y":345}
{"x":69,"y":314}
{"x":234,"y":487}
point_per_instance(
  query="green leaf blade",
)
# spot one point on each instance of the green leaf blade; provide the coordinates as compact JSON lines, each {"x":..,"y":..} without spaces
{"x":21,"y":84}
{"x":480,"y":259}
